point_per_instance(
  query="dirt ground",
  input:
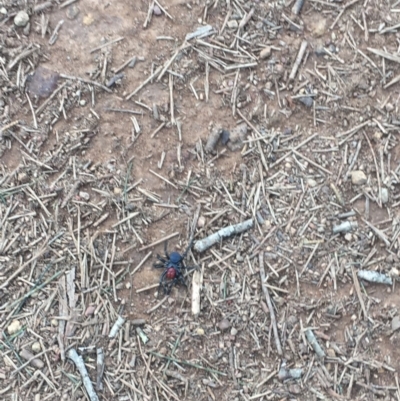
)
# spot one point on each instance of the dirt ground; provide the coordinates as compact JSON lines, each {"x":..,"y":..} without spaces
{"x":108,"y":114}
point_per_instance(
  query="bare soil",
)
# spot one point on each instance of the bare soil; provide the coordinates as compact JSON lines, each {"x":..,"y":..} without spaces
{"x":84,"y":195}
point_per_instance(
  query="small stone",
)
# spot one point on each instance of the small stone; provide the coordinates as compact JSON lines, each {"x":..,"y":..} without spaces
{"x":157,"y":11}
{"x":170,"y":300}
{"x":14,"y":327}
{"x":84,"y":195}
{"x":233,"y":331}
{"x":377,"y":135}
{"x":232,"y":24}
{"x":394,"y":272}
{"x":291,"y":321}
{"x":72,"y":11}
{"x":22,"y":177}
{"x":384,"y":195}
{"x":90,"y":310}
{"x":307,"y":101}
{"x":331,"y":353}
{"x":396,"y":323}
{"x":82,"y":102}
{"x":312,"y":183}
{"x":358,"y":177}
{"x":294,"y":389}
{"x":128,"y":285}
{"x":348,"y":237}
{"x":201,"y":222}
{"x":389,"y":107}
{"x":36,"y":347}
{"x":117,"y":191}
{"x":21,"y":19}
{"x":54,"y":322}
{"x":224,"y":324}
{"x":27,"y":29}
{"x":3,"y":11}
{"x":265,"y":53}
{"x":200,"y":331}
{"x":319,"y":27}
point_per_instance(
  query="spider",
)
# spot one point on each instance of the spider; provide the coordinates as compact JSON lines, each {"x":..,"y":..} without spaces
{"x":173,"y":266}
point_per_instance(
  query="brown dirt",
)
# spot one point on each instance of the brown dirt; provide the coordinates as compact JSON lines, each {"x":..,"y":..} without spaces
{"x":364,"y":352}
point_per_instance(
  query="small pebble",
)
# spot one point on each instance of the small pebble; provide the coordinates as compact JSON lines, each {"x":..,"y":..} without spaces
{"x":232,"y":24}
{"x":72,"y":11}
{"x":84,"y":195}
{"x":384,"y":195}
{"x":224,"y":324}
{"x":233,"y":331}
{"x":395,"y":323}
{"x":358,"y":177}
{"x":54,"y":322}
{"x":201,"y":222}
{"x":331,"y":353}
{"x":200,"y":331}
{"x":82,"y":102}
{"x":23,"y":177}
{"x":312,"y":183}
{"x":3,"y":11}
{"x":389,"y":107}
{"x":348,"y":237}
{"x":90,"y":310}
{"x":14,"y":327}
{"x":21,"y":19}
{"x":117,"y":191}
{"x":265,"y":53}
{"x":36,"y":347}
{"x":157,"y":11}
{"x":307,"y":101}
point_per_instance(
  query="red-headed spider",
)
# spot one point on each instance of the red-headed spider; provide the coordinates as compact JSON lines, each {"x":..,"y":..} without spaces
{"x":173,"y":265}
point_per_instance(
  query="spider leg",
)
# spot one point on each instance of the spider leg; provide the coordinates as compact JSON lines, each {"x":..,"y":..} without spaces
{"x":161,"y":259}
{"x":163,"y":285}
{"x":165,"y":249}
{"x":181,"y":279}
{"x":159,"y":265}
{"x":190,"y":268}
{"x":187,"y":249}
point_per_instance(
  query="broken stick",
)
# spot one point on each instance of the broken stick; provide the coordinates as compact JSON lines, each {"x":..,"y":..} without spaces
{"x":205,"y":243}
{"x":80,"y":365}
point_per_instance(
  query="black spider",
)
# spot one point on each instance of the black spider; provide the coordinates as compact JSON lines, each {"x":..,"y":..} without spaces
{"x":173,"y":265}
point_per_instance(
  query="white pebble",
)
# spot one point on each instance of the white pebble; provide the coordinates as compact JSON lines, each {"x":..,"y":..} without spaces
{"x":14,"y":327}
{"x":21,"y":19}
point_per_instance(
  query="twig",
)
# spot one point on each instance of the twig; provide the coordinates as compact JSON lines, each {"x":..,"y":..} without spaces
{"x":269,"y":303}
{"x":78,"y":361}
{"x":106,"y":44}
{"x":143,"y":84}
{"x":117,"y":326}
{"x":314,"y":343}
{"x":86,"y":81}
{"x":205,"y":243}
{"x":358,"y":291}
{"x":153,"y":243}
{"x":299,"y":57}
{"x":193,"y":365}
{"x":54,"y":35}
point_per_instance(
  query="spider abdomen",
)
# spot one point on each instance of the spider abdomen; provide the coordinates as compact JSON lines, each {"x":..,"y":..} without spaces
{"x":171,"y":273}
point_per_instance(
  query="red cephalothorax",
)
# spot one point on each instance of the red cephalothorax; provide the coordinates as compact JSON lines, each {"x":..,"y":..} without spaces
{"x":171,"y":273}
